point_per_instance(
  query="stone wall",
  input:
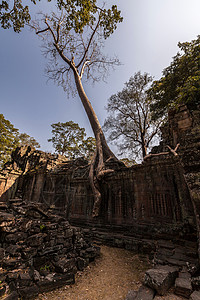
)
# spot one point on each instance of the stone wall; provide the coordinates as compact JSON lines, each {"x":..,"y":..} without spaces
{"x":149,"y":200}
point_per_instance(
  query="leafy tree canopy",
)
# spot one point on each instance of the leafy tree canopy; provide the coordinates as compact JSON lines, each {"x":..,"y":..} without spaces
{"x":79,"y":14}
{"x":10,"y":138}
{"x":129,"y":123}
{"x":70,"y":140}
{"x":180,"y":83}
{"x":25,"y":139}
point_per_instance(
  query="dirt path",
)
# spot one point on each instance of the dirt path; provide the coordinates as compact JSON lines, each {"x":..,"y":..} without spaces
{"x":108,"y":278}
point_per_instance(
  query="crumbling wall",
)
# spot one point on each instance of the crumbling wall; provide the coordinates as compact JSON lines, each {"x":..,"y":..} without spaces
{"x":152,"y":197}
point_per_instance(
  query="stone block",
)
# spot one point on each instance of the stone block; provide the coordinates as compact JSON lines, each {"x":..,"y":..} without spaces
{"x":161,"y":278}
{"x":195,"y":295}
{"x":2,"y":290}
{"x":58,"y":281}
{"x":13,"y":296}
{"x":13,"y":249}
{"x":29,"y":292}
{"x":81,"y":263}
{"x":36,"y":239}
{"x":183,"y":287}
{"x":145,"y":293}
{"x":131,"y":295}
{"x":64,"y":265}
{"x":24,"y":279}
{"x":196,"y":283}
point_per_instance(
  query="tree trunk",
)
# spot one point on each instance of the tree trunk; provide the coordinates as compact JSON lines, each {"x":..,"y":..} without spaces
{"x":103,"y":152}
{"x":144,"y":148}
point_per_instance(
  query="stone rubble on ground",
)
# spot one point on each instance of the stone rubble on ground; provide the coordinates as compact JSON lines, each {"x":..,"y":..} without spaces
{"x":39,"y":251}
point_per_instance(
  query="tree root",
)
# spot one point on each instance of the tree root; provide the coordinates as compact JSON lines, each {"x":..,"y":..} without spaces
{"x":98,"y":170}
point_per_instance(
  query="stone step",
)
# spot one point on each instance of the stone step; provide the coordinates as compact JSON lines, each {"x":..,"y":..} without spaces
{"x":15,"y":200}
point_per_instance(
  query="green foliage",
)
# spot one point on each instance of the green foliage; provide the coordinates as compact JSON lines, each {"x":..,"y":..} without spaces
{"x":79,"y":14}
{"x":69,"y":140}
{"x":129,"y":123}
{"x":8,"y":139}
{"x":42,"y":227}
{"x":14,"y":14}
{"x":180,"y":83}
{"x":25,"y":139}
{"x":128,"y":162}
{"x":45,"y":268}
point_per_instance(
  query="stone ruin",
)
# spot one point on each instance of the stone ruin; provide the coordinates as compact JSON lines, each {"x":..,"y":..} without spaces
{"x":152,"y":208}
{"x":39,"y":251}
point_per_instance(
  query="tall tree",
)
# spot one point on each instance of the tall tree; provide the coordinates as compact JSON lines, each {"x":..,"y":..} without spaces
{"x":14,"y":14}
{"x":180,"y":83}
{"x":8,"y":139}
{"x":73,"y":42}
{"x":69,"y":139}
{"x":129,"y":123}
{"x":25,"y":139}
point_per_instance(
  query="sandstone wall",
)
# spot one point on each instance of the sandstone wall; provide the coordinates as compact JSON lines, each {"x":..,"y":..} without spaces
{"x":155,"y":196}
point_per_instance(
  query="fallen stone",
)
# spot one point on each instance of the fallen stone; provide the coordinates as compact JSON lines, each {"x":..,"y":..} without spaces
{"x":131,"y":295}
{"x":81,"y":263}
{"x":185,"y":275}
{"x":12,"y":296}
{"x":183,"y":287}
{"x":145,"y":293}
{"x":64,"y":265}
{"x":161,"y":278}
{"x":196,"y":283}
{"x":58,"y":281}
{"x":195,"y":295}
{"x":2,"y":290}
{"x":29,"y":292}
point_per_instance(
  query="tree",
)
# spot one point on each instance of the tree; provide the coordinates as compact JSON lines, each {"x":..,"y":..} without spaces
{"x":14,"y":14}
{"x":25,"y":139}
{"x":8,"y":139}
{"x":69,"y":140}
{"x":180,"y":83}
{"x":73,"y":42}
{"x":129,"y":123}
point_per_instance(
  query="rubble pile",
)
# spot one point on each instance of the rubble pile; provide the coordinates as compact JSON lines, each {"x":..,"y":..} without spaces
{"x":39,"y":251}
{"x":184,"y":281}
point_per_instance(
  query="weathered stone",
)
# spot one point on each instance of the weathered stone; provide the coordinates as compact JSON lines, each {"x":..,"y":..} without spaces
{"x":2,"y":253}
{"x":24,"y":279}
{"x":36,"y":276}
{"x":6,"y":219}
{"x":145,"y":293}
{"x":28,"y":292}
{"x":2,"y":290}
{"x":64,"y":265}
{"x":161,"y":279}
{"x":81,"y":263}
{"x":183,"y":287}
{"x":131,"y":295}
{"x":36,"y":239}
{"x":185,"y":275}
{"x":58,"y":281}
{"x":195,"y":295}
{"x":13,"y":249}
{"x":12,"y":276}
{"x":196,"y":283}
{"x":13,"y":296}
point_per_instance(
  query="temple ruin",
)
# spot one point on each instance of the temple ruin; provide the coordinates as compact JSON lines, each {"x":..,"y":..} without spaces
{"x":151,"y":208}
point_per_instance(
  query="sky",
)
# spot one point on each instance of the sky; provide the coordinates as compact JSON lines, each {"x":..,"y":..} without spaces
{"x":145,"y":41}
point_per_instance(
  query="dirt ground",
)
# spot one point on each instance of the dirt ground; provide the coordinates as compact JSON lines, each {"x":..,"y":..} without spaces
{"x":108,"y":278}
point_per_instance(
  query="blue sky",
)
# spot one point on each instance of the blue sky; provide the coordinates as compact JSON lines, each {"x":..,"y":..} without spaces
{"x":146,"y":41}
